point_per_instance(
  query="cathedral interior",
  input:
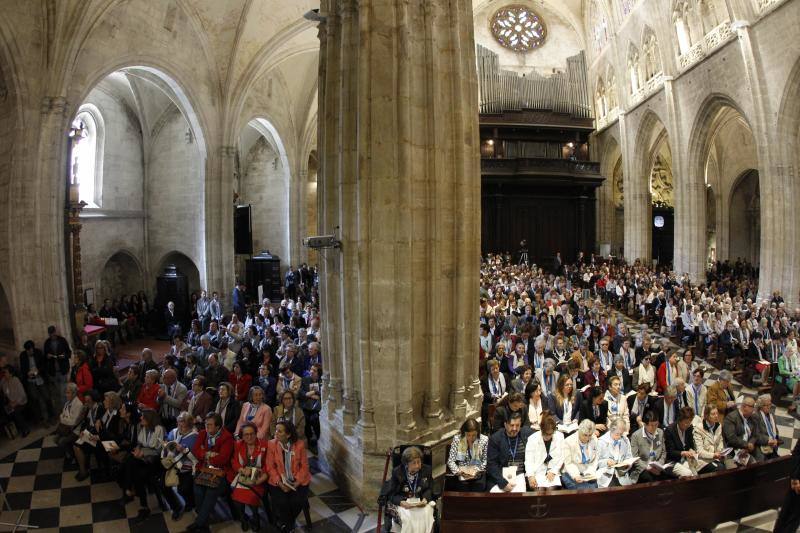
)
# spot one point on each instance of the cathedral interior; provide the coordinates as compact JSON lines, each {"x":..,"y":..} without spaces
{"x":161,"y":148}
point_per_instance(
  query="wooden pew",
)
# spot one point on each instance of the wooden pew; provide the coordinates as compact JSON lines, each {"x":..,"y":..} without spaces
{"x":679,"y":505}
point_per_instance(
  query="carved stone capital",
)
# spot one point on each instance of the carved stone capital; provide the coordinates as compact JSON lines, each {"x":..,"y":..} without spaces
{"x":54,"y":105}
{"x":227,"y":151}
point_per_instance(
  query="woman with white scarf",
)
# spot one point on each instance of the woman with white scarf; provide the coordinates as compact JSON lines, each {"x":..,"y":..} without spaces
{"x":467,"y":458}
{"x":178,"y":450}
{"x":617,"y":402}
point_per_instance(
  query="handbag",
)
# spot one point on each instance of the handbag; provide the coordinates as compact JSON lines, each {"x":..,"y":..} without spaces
{"x":209,"y":477}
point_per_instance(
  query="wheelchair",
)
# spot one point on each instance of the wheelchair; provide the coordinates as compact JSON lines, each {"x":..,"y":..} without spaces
{"x":394,"y":458}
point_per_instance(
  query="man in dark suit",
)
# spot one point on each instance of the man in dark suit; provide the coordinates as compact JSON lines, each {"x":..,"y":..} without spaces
{"x":740,"y":430}
{"x":507,"y":448}
{"x":667,"y":408}
{"x":595,"y":408}
{"x":33,"y":367}
{"x":57,"y":353}
{"x":172,"y":321}
{"x":239,"y":306}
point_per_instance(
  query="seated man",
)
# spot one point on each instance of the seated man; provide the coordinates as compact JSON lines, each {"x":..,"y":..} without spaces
{"x":639,"y":404}
{"x":647,"y":443}
{"x":741,"y":433}
{"x":681,"y":448}
{"x":580,"y":458}
{"x":768,"y":437}
{"x":616,"y":465}
{"x":721,"y":394}
{"x":507,"y":449}
{"x":667,"y":408}
{"x":171,"y":320}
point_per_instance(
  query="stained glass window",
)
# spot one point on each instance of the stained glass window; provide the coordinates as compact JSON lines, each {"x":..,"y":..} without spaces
{"x":518,"y":28}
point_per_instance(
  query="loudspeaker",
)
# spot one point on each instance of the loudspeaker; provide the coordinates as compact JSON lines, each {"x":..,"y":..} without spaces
{"x":242,"y":230}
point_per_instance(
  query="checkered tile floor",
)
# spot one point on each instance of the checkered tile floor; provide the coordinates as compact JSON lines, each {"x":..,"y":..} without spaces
{"x":37,"y":478}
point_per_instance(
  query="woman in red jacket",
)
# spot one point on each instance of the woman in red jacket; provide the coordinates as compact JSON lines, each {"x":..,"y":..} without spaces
{"x":241,"y":382}
{"x":667,"y":373}
{"x":213,"y":450}
{"x":249,"y":461}
{"x":83,"y":375}
{"x":148,"y":394}
{"x":289,"y":476}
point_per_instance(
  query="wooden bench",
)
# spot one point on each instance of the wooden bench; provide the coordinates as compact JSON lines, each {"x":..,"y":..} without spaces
{"x":691,"y":504}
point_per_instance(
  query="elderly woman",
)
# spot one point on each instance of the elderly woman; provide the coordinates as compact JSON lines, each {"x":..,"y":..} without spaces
{"x":409,"y":491}
{"x":544,"y":455}
{"x":257,"y":413}
{"x":69,"y":419}
{"x":467,"y":458}
{"x":148,"y":394}
{"x":547,"y":377}
{"x":249,"y":467}
{"x":289,"y":475}
{"x":580,"y":458}
{"x":288,"y":409}
{"x":615,"y":461}
{"x":177,"y":449}
{"x":142,"y":463}
{"x":788,"y":371}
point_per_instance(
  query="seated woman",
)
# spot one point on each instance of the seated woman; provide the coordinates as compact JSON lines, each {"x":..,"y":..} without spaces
{"x":536,"y":405}
{"x":105,"y":428}
{"x":708,"y":439}
{"x":104,"y":376}
{"x":70,"y":419}
{"x":645,"y":372}
{"x":195,"y":332}
{"x":617,"y":404}
{"x":408,"y":492}
{"x":87,"y":431}
{"x":249,"y":466}
{"x":177,"y":449}
{"x":213,"y":450}
{"x":142,"y":463}
{"x":82,"y":374}
{"x":132,"y":385}
{"x":288,"y":410}
{"x":257,"y":413}
{"x":525,"y":378}
{"x":564,"y":404}
{"x":125,"y":435}
{"x":467,"y":458}
{"x":580,"y":458}
{"x":241,"y":382}
{"x":544,"y":455}
{"x":148,"y":394}
{"x":679,"y":438}
{"x":227,"y":407}
{"x":595,"y":377}
{"x":289,"y":476}
{"x":788,"y":371}
{"x":548,"y":377}
{"x":512,"y":403}
{"x":614,"y":448}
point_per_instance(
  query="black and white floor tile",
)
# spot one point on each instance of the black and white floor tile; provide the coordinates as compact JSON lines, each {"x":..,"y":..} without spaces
{"x":37,"y":480}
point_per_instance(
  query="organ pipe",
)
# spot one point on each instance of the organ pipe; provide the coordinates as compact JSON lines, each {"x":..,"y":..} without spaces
{"x":503,"y":90}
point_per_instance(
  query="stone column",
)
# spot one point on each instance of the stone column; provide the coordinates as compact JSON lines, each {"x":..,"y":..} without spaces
{"x":637,"y":199}
{"x":220,"y":270}
{"x":400,"y":176}
{"x":690,"y":197}
{"x":779,"y":257}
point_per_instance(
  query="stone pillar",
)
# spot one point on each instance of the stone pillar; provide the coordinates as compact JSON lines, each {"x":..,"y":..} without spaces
{"x":690,"y":197}
{"x":400,"y":177}
{"x":637,"y":199}
{"x":779,"y":257}
{"x":220,"y":270}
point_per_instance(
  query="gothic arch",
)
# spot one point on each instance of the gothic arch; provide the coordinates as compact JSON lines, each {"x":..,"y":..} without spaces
{"x":745,"y":220}
{"x":122,"y":274}
{"x":185,"y":266}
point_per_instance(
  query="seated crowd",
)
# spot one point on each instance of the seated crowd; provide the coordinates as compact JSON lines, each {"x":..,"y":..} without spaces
{"x":227,"y":416}
{"x":572,"y":398}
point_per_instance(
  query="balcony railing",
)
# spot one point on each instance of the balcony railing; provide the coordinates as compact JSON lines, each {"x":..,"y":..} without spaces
{"x":565,"y":167}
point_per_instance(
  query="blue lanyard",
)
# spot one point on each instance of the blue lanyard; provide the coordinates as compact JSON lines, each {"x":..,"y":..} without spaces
{"x":412,"y":487}
{"x":584,"y":458}
{"x":513,"y":451}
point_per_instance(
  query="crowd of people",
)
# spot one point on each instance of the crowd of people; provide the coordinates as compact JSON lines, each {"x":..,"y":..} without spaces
{"x":227,"y":415}
{"x":574,"y":398}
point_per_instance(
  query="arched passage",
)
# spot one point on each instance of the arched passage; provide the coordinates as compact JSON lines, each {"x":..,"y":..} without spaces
{"x":148,"y":179}
{"x":264,"y":178}
{"x":122,"y":275}
{"x":744,"y":213}
{"x":184,"y":265}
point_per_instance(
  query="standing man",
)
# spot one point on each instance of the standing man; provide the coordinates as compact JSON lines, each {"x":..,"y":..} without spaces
{"x":57,"y":354}
{"x":290,"y":284}
{"x":239,"y":307}
{"x":215,"y":309}
{"x":204,"y":311}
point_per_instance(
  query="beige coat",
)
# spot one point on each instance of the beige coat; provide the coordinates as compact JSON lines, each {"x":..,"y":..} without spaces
{"x":706,"y":443}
